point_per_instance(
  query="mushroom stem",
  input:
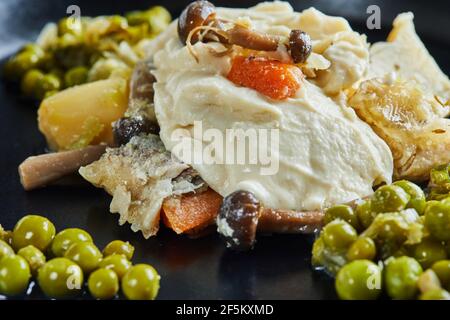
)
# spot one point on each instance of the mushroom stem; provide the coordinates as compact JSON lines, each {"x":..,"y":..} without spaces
{"x":38,"y":171}
{"x":290,"y":221}
{"x":250,"y":39}
{"x":287,"y":221}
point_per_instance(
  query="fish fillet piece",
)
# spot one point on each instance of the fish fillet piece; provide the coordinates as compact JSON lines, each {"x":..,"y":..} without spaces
{"x":408,"y":119}
{"x":139,"y":177}
{"x":405,"y":55}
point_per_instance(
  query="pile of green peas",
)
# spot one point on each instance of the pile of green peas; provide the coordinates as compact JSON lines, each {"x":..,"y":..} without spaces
{"x":43,"y":71}
{"x":62,"y":262}
{"x":365,"y":267}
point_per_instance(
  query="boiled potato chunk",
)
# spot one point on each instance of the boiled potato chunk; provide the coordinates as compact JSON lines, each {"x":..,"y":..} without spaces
{"x":82,"y":115}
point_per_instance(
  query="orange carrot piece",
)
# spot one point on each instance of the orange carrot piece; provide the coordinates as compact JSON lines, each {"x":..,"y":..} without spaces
{"x":271,"y":78}
{"x":191,"y":212}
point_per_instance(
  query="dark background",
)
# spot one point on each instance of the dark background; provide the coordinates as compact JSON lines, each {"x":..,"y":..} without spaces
{"x":278,"y":268}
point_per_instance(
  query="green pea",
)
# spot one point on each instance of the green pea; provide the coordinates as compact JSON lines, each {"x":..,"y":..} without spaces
{"x":30,"y":82}
{"x":359,"y":280}
{"x":137,"y":33}
{"x":442,"y":270}
{"x":417,"y":200}
{"x":28,"y":59}
{"x":136,"y":18}
{"x":85,"y":254}
{"x":35,"y":230}
{"x":33,"y":48}
{"x":65,"y":50}
{"x":317,"y":252}
{"x":117,"y":23}
{"x":437,"y":294}
{"x":17,"y":66}
{"x":76,"y":76}
{"x":60,"y":278}
{"x":103,"y":284}
{"x":48,"y":61}
{"x":141,"y":282}
{"x":34,"y":257}
{"x":389,"y":199}
{"x":157,"y":18}
{"x":390,"y":233}
{"x":362,"y":248}
{"x":365,"y":214}
{"x":49,"y":83}
{"x":338,"y":235}
{"x":5,"y":249}
{"x":116,"y":262}
{"x":104,"y":68}
{"x":428,"y":252}
{"x":64,"y":239}
{"x":401,"y":276}
{"x":119,"y":247}
{"x":342,"y":212}
{"x":14,"y":275}
{"x":69,"y":26}
{"x":437,"y":220}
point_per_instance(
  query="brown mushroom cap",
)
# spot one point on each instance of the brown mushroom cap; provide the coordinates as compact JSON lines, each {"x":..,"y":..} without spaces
{"x":300,"y":46}
{"x":238,"y":219}
{"x":127,"y":127}
{"x":194,"y":15}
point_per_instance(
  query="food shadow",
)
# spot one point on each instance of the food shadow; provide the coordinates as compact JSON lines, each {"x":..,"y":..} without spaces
{"x":278,"y":264}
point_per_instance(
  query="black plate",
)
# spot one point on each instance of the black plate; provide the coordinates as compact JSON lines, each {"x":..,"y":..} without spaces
{"x":278,"y":268}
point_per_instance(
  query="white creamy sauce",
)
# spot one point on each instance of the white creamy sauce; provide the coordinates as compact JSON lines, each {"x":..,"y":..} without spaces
{"x":326,"y":155}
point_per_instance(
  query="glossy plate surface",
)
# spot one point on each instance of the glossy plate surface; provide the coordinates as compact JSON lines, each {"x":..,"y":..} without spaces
{"x":278,"y":268}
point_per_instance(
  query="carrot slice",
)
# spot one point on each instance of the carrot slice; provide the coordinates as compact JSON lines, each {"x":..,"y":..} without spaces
{"x":189,"y":213}
{"x":271,"y":78}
